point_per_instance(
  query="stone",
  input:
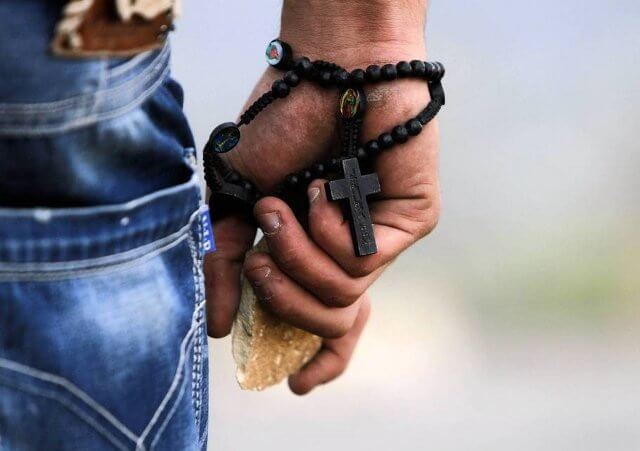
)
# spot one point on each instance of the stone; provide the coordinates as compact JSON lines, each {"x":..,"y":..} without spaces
{"x":265,"y":349}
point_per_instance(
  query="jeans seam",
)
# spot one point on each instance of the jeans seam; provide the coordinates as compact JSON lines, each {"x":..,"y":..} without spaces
{"x":203,"y":440}
{"x":91,"y":118}
{"x":164,"y":404}
{"x":82,"y":268}
{"x":70,"y":388}
{"x":171,"y":412}
{"x":48,"y":394}
{"x":72,"y":103}
{"x":107,"y":268}
{"x":197,"y":370}
{"x":122,"y":208}
{"x":91,"y":104}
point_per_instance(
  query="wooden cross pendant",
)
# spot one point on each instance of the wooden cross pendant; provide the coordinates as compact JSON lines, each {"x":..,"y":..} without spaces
{"x":355,"y":188}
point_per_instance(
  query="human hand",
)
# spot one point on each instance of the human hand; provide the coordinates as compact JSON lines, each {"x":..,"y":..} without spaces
{"x":312,"y":279}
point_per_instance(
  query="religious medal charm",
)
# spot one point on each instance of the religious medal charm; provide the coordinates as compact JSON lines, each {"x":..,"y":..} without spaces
{"x":351,"y":108}
{"x":224,"y":137}
{"x":278,"y":54}
{"x":353,"y":189}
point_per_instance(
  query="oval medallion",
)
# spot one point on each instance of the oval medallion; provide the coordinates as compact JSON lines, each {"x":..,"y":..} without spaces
{"x":351,"y":103}
{"x":274,"y":52}
{"x":225,"y":137}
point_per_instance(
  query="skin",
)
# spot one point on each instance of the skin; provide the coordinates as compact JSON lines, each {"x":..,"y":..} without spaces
{"x":312,"y":279}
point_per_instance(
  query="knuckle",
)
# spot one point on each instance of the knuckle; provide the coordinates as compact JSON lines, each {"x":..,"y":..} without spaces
{"x":430,"y":219}
{"x":340,"y":368}
{"x":344,"y":295}
{"x":340,"y":327}
{"x":280,"y":306}
{"x":257,"y":260}
{"x":320,"y":228}
{"x":337,"y":370}
{"x":288,"y":254}
{"x":360,"y":268}
{"x":340,"y":300}
{"x":337,"y":330}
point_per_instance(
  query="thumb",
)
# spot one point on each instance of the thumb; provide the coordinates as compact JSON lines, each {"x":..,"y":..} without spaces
{"x":222,"y":269}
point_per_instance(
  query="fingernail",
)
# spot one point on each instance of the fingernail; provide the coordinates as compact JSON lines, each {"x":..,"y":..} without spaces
{"x":259,"y":279}
{"x":270,"y":223}
{"x":313,"y":194}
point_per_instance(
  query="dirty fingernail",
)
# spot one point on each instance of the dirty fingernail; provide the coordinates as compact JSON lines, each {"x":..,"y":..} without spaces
{"x":313,"y":194}
{"x":270,"y":223}
{"x":259,"y":279}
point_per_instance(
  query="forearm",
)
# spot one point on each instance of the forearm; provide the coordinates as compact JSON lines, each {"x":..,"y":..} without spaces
{"x":355,"y":31}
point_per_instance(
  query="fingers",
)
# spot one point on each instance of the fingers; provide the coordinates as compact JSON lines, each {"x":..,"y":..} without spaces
{"x":294,"y":305}
{"x":332,"y":233}
{"x":222,"y":271}
{"x":304,"y":261}
{"x":334,"y":357}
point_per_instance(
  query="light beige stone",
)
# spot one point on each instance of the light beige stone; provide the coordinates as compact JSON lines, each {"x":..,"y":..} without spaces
{"x":265,"y":349}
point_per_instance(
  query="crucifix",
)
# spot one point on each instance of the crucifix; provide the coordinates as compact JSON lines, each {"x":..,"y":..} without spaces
{"x":354,"y":189}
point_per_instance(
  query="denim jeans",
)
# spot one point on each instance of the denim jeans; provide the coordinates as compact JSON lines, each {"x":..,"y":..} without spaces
{"x":102,"y":333}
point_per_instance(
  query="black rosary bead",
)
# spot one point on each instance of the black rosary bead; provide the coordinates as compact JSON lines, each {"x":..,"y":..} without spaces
{"x":361,"y":154}
{"x":400,"y":134}
{"x":389,"y":72}
{"x":431,"y":71}
{"x":234,"y":177}
{"x":358,"y":76}
{"x":319,"y":170}
{"x":331,"y":67}
{"x":306,"y":175}
{"x":303,"y":66}
{"x":280,"y":89}
{"x":341,"y":78}
{"x":248,"y":186}
{"x":373,"y":73}
{"x":292,"y":79}
{"x":418,"y":68}
{"x":404,"y":69}
{"x":292,"y":180}
{"x":373,"y":148}
{"x":414,"y":127}
{"x":386,"y":141}
{"x":324,"y":78}
{"x":441,"y":70}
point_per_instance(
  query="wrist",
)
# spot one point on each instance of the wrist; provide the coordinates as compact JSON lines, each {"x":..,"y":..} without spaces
{"x":355,"y":33}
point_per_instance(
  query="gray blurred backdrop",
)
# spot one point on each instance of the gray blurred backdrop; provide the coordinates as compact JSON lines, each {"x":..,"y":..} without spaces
{"x":516,"y":324}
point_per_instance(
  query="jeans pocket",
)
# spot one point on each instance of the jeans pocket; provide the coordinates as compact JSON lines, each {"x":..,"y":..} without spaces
{"x":102,"y":335}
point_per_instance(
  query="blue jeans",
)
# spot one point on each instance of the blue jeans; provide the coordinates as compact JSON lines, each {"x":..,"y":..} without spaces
{"x":102,"y":324}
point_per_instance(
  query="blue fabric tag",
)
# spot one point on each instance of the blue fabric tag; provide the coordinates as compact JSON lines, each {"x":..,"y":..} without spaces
{"x":208,"y":240}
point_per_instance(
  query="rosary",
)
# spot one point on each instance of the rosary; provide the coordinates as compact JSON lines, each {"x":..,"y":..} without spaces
{"x":232,"y":194}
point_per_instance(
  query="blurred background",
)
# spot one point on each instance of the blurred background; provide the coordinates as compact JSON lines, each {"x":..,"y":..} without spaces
{"x":516,"y":324}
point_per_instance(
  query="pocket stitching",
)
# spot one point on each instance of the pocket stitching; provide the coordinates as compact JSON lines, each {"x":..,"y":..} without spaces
{"x":198,"y":279}
{"x":73,"y":391}
{"x":185,"y":347}
{"x":76,"y":273}
{"x":171,"y":412}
